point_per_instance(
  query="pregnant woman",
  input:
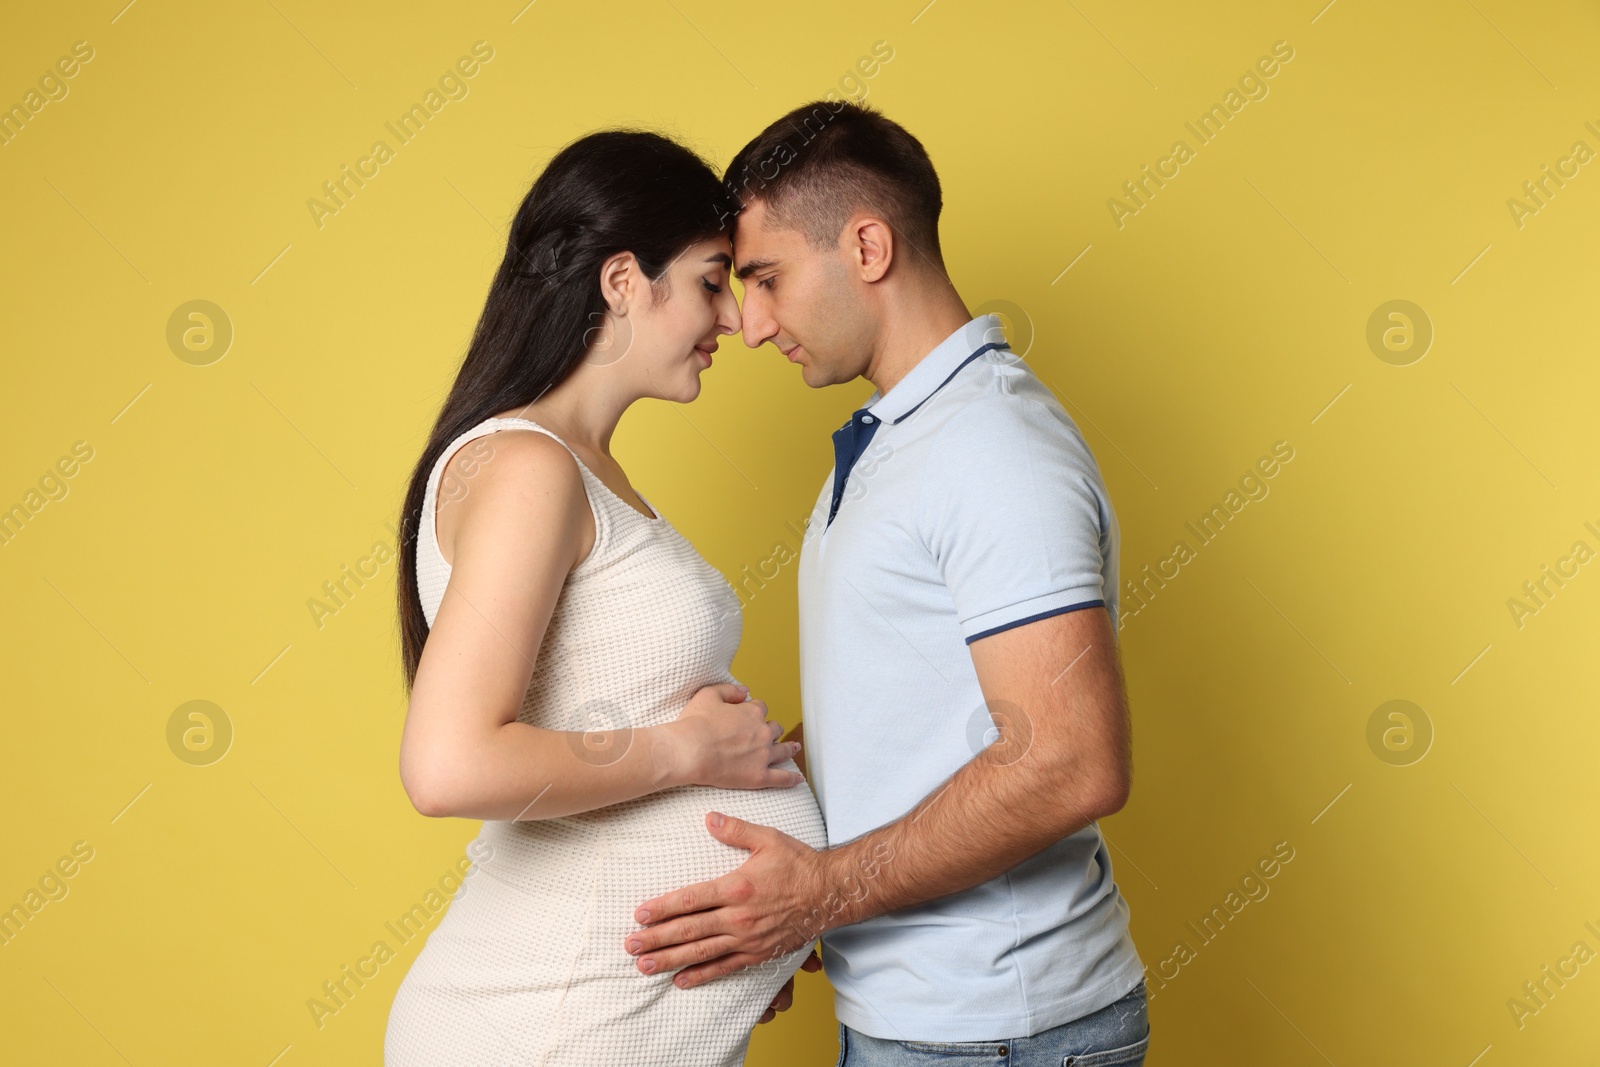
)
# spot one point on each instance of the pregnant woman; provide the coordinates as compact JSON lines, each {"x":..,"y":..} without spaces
{"x":567,"y":652}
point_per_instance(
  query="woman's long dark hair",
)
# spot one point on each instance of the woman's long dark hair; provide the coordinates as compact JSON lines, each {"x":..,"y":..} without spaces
{"x":611,"y":191}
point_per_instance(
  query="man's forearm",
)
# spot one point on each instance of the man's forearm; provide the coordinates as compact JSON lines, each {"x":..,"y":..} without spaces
{"x":987,"y":818}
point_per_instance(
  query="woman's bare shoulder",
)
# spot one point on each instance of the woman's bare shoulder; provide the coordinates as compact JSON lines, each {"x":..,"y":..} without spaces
{"x":513,"y":486}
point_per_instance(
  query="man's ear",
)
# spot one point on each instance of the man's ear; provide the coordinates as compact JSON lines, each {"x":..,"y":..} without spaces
{"x":619,"y":280}
{"x":872,"y":246}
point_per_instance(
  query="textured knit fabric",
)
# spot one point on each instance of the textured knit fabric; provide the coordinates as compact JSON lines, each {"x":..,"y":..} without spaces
{"x":528,"y":966}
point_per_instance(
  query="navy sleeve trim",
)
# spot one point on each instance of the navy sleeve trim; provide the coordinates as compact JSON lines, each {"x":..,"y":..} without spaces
{"x":1036,"y":618}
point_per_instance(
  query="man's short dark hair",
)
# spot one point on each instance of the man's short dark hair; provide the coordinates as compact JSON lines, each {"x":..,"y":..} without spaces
{"x":824,"y":161}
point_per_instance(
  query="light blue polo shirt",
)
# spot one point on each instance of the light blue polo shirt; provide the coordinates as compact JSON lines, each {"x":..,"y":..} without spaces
{"x":972,"y":505}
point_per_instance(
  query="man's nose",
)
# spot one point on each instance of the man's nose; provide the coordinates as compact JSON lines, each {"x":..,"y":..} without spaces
{"x":758,"y":328}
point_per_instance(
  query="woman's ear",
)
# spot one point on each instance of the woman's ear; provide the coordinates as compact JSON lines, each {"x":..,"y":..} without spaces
{"x":619,"y":282}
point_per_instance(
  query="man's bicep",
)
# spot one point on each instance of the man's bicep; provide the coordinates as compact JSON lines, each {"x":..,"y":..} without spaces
{"x":1055,"y":691}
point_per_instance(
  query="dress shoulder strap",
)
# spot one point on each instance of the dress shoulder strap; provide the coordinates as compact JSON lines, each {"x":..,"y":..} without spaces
{"x":593,"y":488}
{"x":428,"y":543}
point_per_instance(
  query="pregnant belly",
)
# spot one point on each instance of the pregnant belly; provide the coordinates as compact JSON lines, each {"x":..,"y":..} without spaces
{"x":531,"y":950}
{"x":660,"y":843}
{"x":580,"y":879}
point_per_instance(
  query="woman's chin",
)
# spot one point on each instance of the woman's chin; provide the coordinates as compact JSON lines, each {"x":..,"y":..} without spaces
{"x":691,"y":389}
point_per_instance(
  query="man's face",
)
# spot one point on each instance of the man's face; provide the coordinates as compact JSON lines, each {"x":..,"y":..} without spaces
{"x":804,"y":300}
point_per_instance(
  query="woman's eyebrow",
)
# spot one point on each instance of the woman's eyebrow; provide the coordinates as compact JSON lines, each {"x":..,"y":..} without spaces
{"x":720,"y":257}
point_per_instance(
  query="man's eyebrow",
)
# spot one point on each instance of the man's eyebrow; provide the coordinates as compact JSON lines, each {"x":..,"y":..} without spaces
{"x":754,"y":265}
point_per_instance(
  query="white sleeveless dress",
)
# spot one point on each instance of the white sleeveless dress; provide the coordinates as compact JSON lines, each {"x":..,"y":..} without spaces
{"x":527,"y":967}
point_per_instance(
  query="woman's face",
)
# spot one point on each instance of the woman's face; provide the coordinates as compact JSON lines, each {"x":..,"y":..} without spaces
{"x":673,"y":339}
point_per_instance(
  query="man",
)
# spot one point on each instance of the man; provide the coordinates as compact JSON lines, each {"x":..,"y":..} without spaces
{"x":959,"y":574}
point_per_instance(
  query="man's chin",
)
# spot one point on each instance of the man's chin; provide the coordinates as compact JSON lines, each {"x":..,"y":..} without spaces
{"x":815,"y":376}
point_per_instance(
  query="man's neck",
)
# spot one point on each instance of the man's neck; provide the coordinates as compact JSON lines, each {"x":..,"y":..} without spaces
{"x":915,"y":328}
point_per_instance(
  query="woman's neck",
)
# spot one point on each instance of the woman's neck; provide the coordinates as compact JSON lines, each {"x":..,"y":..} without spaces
{"x":581,"y":411}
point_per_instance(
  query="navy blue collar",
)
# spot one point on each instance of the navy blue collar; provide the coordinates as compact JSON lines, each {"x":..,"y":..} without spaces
{"x":932,"y":373}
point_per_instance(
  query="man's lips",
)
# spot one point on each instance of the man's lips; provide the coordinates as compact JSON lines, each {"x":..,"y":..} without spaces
{"x":789,"y":355}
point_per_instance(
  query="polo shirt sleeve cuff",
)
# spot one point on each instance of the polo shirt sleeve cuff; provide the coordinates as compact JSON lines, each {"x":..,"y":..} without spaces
{"x":1042,"y":607}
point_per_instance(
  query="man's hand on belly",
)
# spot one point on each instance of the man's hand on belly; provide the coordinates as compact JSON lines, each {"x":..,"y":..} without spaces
{"x":768,"y":907}
{"x":1070,"y":766}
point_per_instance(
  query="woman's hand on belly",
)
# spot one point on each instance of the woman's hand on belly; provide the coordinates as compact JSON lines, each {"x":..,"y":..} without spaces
{"x":799,"y":756}
{"x":722,"y":738}
{"x":785,"y":998}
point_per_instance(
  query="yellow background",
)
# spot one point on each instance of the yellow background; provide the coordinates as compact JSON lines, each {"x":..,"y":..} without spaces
{"x":1229,"y":313}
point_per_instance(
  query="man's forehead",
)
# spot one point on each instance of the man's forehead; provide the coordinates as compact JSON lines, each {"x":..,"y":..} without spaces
{"x":751,"y":251}
{"x":756,"y":245}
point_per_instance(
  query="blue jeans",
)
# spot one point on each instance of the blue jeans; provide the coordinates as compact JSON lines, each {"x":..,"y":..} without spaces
{"x":1115,"y":1036}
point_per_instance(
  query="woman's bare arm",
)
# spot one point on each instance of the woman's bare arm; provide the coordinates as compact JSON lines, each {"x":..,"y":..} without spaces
{"x":518,"y":531}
